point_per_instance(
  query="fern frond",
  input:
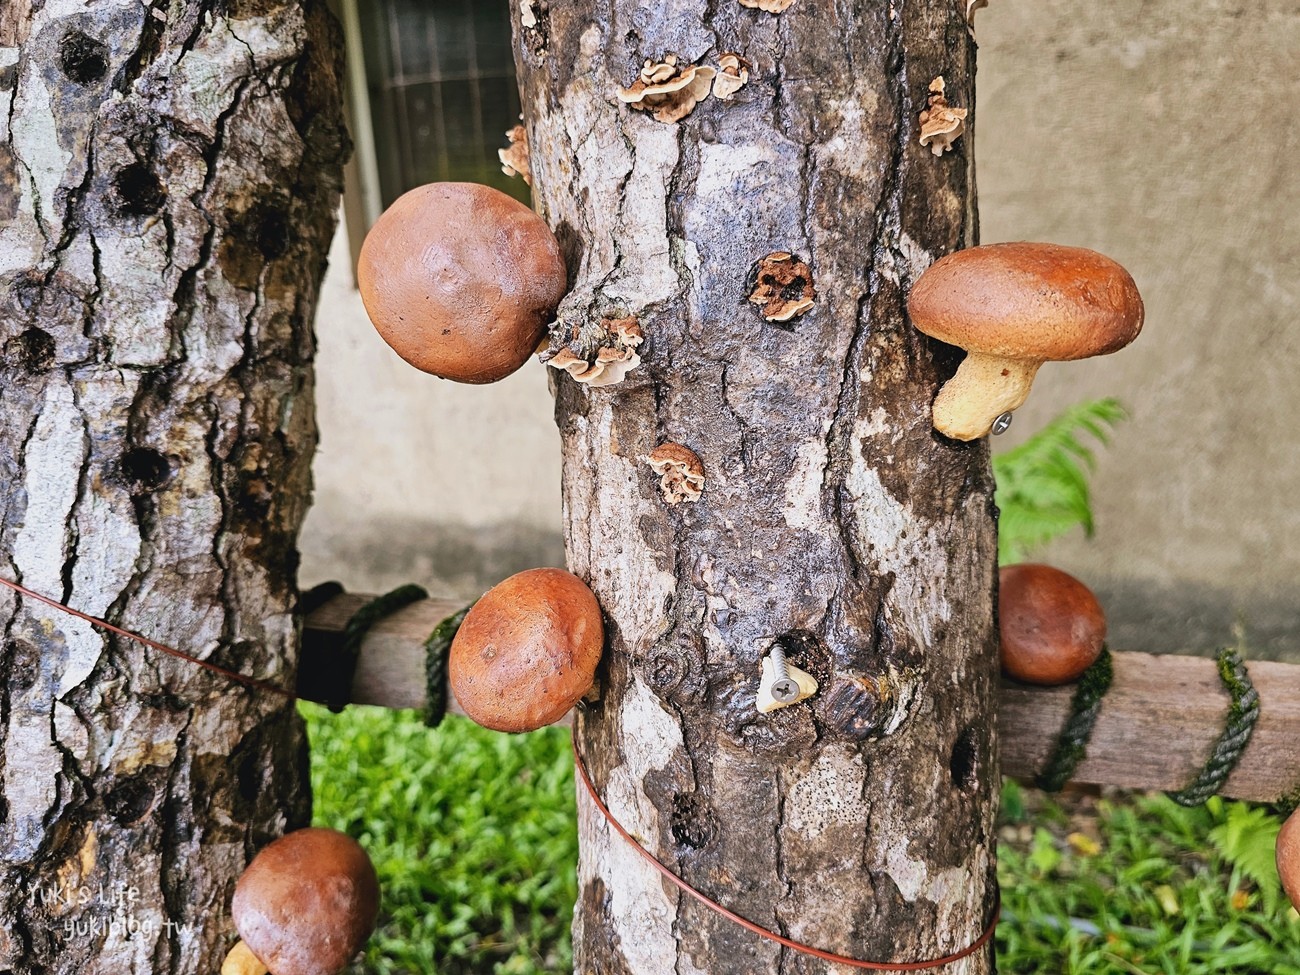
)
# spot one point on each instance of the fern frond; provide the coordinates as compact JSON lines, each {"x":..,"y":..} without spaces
{"x":1247,"y":839}
{"x":1042,"y":485}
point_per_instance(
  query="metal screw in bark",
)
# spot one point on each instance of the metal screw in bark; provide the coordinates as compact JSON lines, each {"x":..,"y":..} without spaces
{"x":784,"y":688}
{"x":1001,"y":423}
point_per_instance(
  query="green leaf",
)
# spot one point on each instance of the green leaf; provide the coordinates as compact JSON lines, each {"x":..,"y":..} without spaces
{"x":1044,"y":857}
{"x":1042,"y":485}
{"x":1247,"y":839}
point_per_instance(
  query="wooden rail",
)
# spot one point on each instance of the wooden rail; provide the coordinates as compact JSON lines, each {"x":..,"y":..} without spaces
{"x":1157,"y":724}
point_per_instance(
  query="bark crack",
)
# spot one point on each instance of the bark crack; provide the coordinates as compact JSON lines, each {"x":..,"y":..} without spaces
{"x":839,"y":438}
{"x":71,"y":529}
{"x":200,"y":16}
{"x":73,"y":205}
{"x":746,"y":436}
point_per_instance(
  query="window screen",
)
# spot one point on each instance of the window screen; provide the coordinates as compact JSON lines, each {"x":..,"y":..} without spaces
{"x":441,"y":79}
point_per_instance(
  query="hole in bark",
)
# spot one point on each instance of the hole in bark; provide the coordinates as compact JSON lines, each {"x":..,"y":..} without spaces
{"x":781,"y":285}
{"x":24,"y":665}
{"x":273,"y":233}
{"x":33,"y":350}
{"x":255,"y":495}
{"x":83,"y":59}
{"x":799,"y":646}
{"x":805,"y":650}
{"x":144,"y":470}
{"x":133,"y":799}
{"x":963,"y":763}
{"x":139,"y":191}
{"x":692,"y":823}
{"x":248,"y":775}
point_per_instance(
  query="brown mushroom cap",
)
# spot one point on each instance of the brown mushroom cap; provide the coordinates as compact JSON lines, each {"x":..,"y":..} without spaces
{"x":1288,"y":857}
{"x":307,"y":902}
{"x":1028,"y":301}
{"x":1052,"y":627}
{"x":461,"y":280}
{"x":527,"y":651}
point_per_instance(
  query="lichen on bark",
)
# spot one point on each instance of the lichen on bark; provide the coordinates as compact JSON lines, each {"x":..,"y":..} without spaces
{"x":834,"y":518}
{"x":169,"y":187}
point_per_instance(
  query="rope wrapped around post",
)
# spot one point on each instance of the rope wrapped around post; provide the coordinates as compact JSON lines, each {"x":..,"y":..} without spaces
{"x":1242,"y":715}
{"x":1072,"y":743}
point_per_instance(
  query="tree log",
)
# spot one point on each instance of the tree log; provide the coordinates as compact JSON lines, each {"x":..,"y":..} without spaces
{"x":169,"y":176}
{"x":1155,"y":731}
{"x":833,"y":521}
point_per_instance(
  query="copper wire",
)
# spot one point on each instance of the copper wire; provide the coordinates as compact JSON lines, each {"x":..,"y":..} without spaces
{"x":244,"y":679}
{"x":758,"y":929}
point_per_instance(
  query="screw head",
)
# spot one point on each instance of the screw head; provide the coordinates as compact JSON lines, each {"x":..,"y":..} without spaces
{"x":1001,"y":424}
{"x":785,"y":690}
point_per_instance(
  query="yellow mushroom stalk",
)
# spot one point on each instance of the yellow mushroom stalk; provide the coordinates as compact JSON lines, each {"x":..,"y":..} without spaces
{"x":981,"y":390}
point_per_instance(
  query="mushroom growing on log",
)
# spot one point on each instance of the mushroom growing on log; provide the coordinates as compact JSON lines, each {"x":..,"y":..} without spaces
{"x":307,"y":902}
{"x":527,"y":651}
{"x":1288,"y":857}
{"x":1052,"y":627}
{"x":1012,"y":307}
{"x":461,"y":280}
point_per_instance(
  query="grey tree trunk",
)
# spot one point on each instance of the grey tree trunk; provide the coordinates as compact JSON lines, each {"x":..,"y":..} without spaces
{"x":169,"y":175}
{"x":833,"y":521}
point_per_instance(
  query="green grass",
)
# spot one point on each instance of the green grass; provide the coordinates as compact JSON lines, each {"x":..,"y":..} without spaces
{"x":1139,"y":884}
{"x":473,"y":836}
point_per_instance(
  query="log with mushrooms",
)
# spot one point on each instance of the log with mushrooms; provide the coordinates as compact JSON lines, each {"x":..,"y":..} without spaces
{"x":527,"y":651}
{"x":461,"y":280}
{"x":305,"y":905}
{"x":1051,"y":627}
{"x":1012,"y":307}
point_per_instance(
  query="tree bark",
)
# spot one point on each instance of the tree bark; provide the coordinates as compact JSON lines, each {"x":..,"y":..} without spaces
{"x":834,"y":520}
{"x":169,"y":175}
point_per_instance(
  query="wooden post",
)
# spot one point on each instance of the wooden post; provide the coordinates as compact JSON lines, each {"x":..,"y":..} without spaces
{"x":1156,"y":727}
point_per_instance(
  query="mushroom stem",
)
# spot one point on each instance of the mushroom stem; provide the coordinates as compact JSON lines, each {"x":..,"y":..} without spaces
{"x":983,"y":388}
{"x":242,"y":961}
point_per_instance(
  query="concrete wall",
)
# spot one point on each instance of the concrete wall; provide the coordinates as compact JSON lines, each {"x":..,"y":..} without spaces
{"x":1151,"y":132}
{"x":1157,"y":133}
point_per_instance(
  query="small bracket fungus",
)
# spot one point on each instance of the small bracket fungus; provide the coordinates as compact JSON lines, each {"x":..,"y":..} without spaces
{"x":1011,"y":307}
{"x":514,"y":158}
{"x":307,"y":902}
{"x":781,"y":284}
{"x":528,"y":13}
{"x":668,"y":91}
{"x":733,"y":75}
{"x":1288,"y":857}
{"x":527,"y":651}
{"x":971,"y":7}
{"x":1050,"y":624}
{"x":941,"y":124}
{"x":681,"y":475}
{"x":461,"y":280}
{"x":599,"y":355}
{"x":768,"y":700}
{"x":770,"y":6}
